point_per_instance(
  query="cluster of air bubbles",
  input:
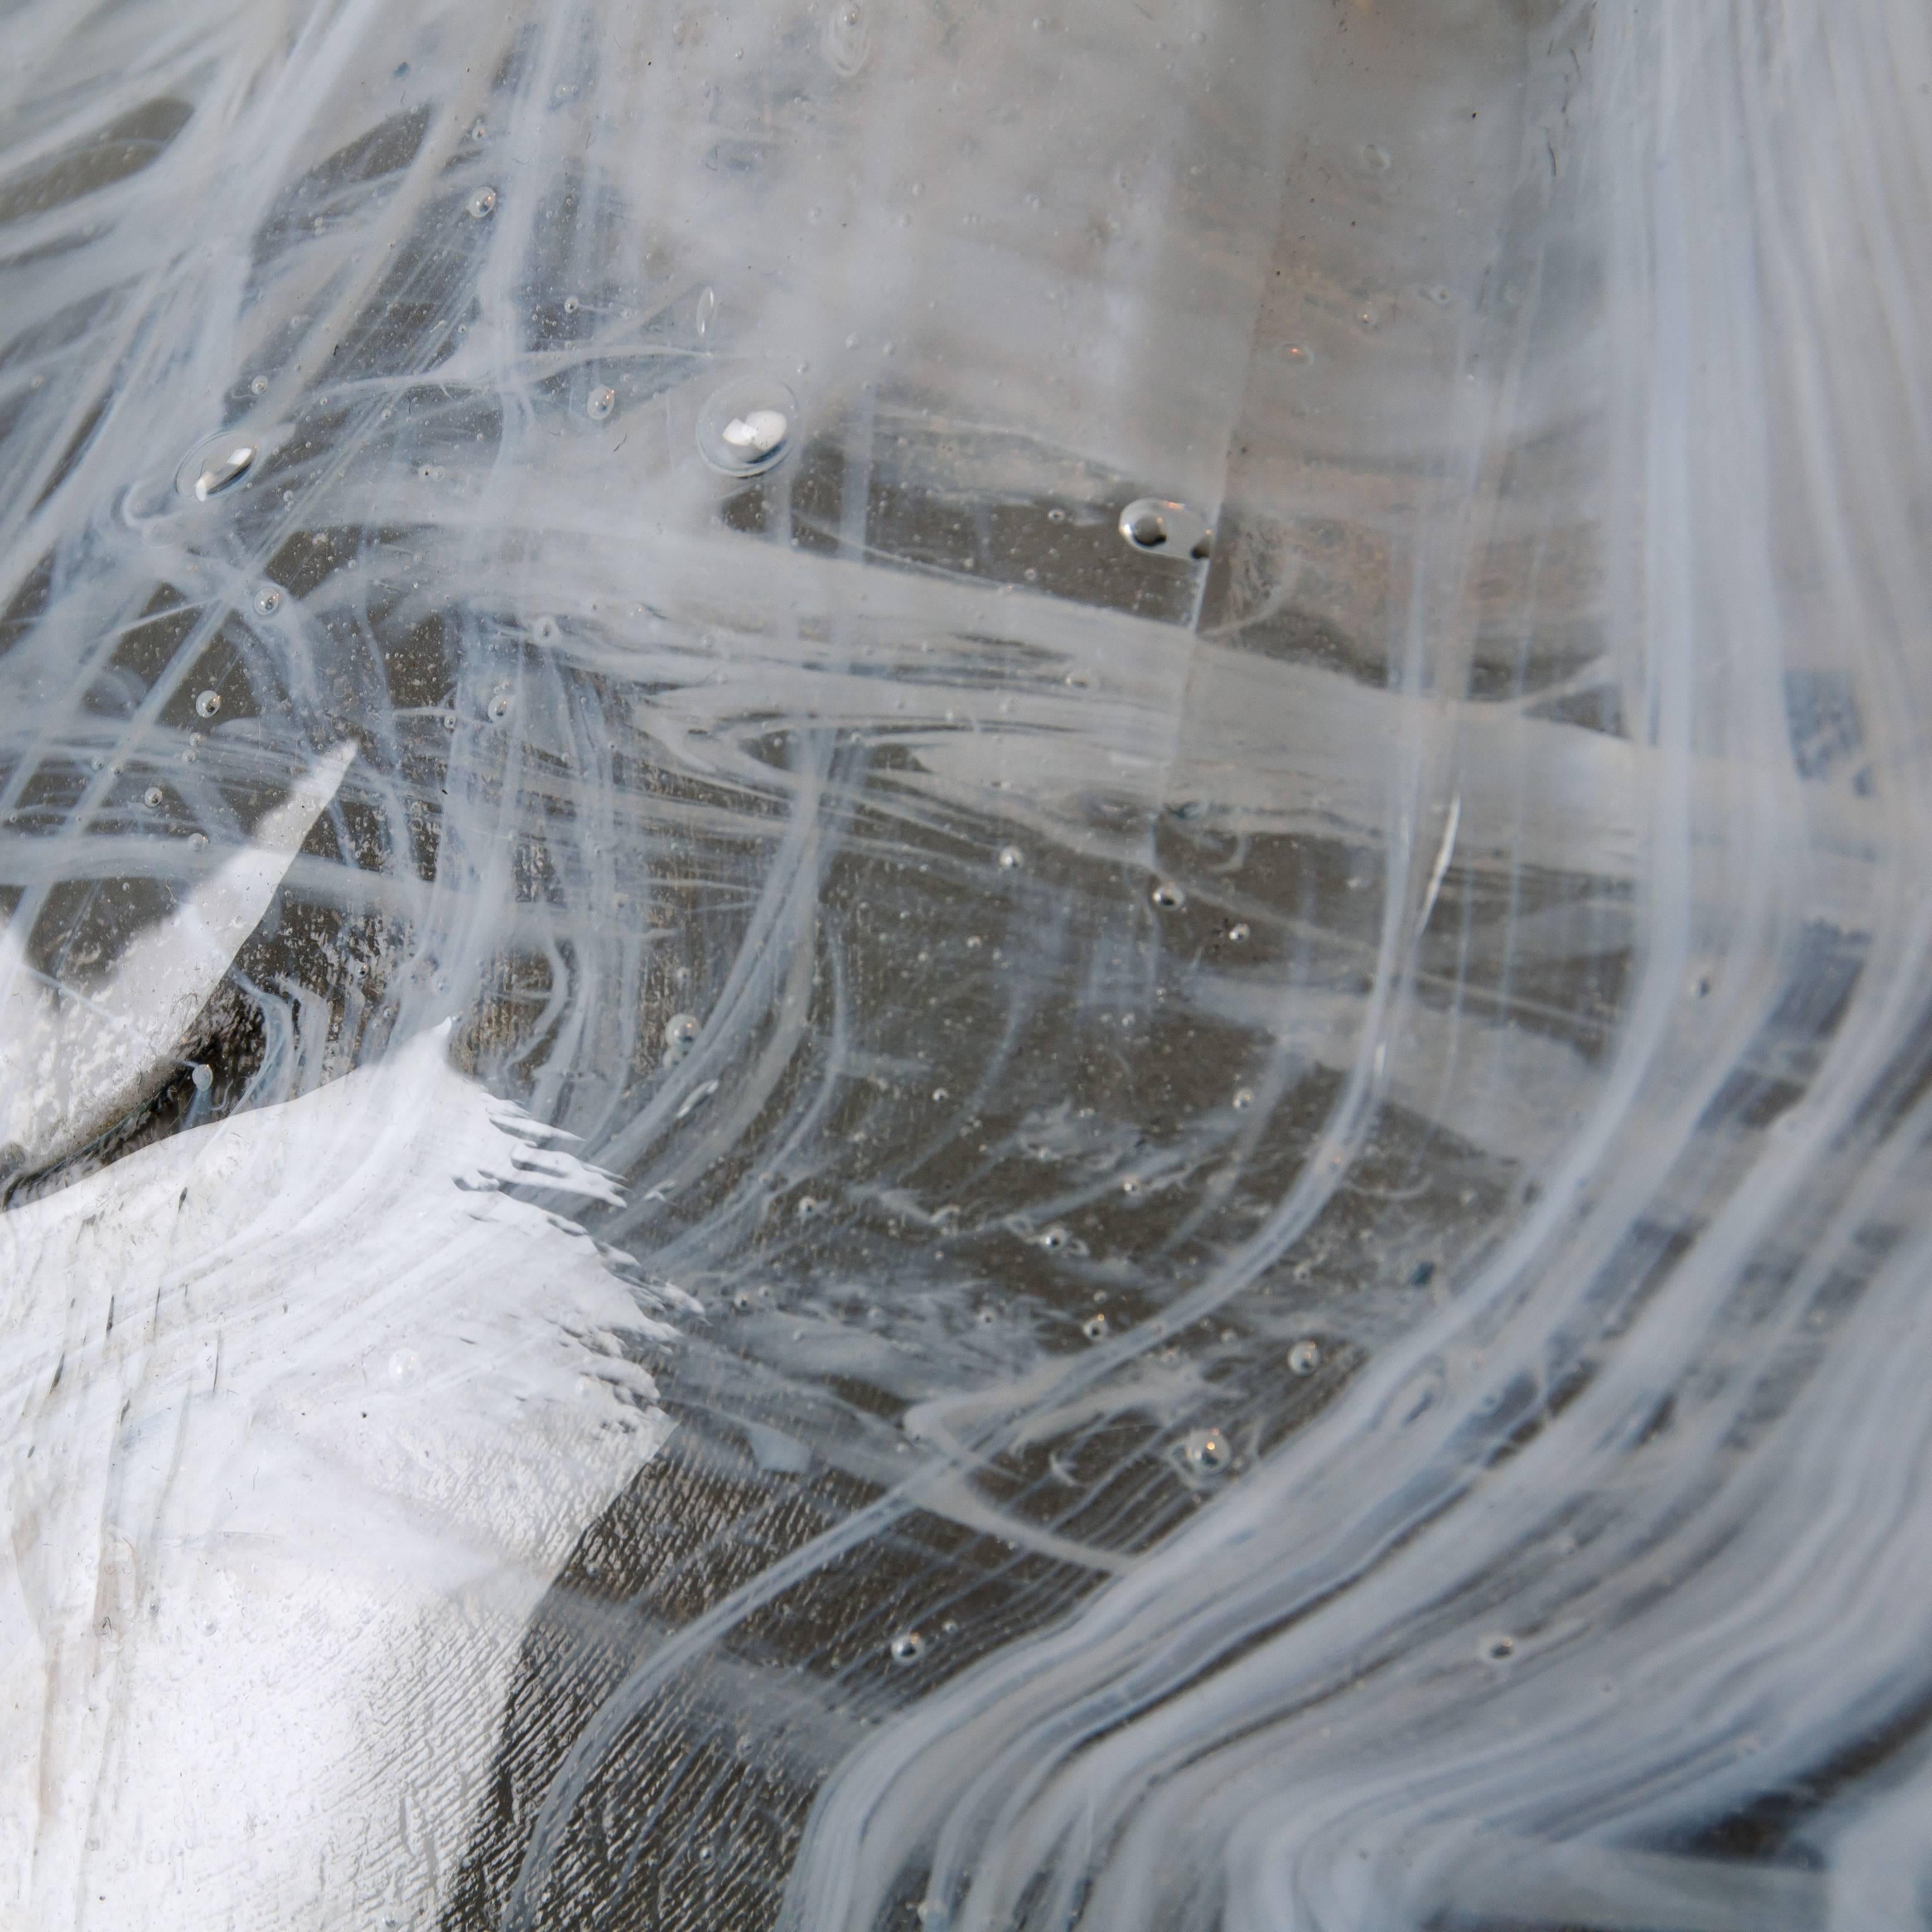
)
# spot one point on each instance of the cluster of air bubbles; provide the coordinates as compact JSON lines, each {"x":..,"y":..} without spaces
{"x":215,"y":466}
{"x":1304,"y":1358}
{"x":207,"y":703}
{"x":1204,"y":1452}
{"x":746,"y":428}
{"x":1153,"y":523}
{"x":1168,"y":896}
{"x":907,"y":1647}
{"x":1011,"y":858}
{"x":481,"y":203}
{"x":1095,"y":1327}
{"x":267,"y":601}
{"x":846,"y":40}
{"x":680,"y":1036}
{"x":601,"y":403}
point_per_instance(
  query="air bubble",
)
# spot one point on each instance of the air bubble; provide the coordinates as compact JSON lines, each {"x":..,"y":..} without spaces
{"x":546,"y":631}
{"x":908,"y":1647}
{"x":1499,"y":1649}
{"x":1237,"y":933}
{"x":203,"y":1077}
{"x":571,"y":304}
{"x":1011,"y":858}
{"x":498,"y":706}
{"x":746,"y":428}
{"x":1054,"y":1239}
{"x":601,"y":403}
{"x":404,"y":1366}
{"x":1152,"y":524}
{"x":1244,"y":1098}
{"x":1168,"y":896}
{"x":217,"y":465}
{"x":207,"y":703}
{"x":151,"y":797}
{"x":1304,"y":1358}
{"x":682,"y":1029}
{"x":260,"y":386}
{"x":848,"y":40}
{"x":268,"y":602}
{"x":1204,"y":1452}
{"x":1095,"y":1327}
{"x":481,"y":203}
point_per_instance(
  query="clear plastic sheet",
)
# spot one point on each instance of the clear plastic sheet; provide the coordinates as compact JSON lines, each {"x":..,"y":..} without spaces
{"x":965,"y":968}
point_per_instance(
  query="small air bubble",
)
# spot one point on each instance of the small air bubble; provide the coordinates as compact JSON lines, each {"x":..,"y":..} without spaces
{"x":1095,"y":1327}
{"x":151,"y":797}
{"x":498,"y":706}
{"x":1011,"y":858}
{"x":1054,"y":1239}
{"x":908,"y":1647}
{"x":197,"y":841}
{"x":1499,"y":1649}
{"x":203,"y":1077}
{"x":571,"y":304}
{"x":260,"y":386}
{"x":1244,"y":1098}
{"x":1304,"y":1358}
{"x":681,"y":1030}
{"x":601,"y":403}
{"x":207,"y":703}
{"x":1204,"y":1452}
{"x":847,"y":41}
{"x":218,"y":466}
{"x":545,"y":631}
{"x":268,"y":602}
{"x":1238,"y":932}
{"x":746,"y":426}
{"x":1152,"y":524}
{"x":403,"y":1366}
{"x":481,"y":203}
{"x":1168,"y":896}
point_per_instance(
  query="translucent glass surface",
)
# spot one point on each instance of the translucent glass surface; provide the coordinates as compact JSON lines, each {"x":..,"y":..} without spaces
{"x":965,"y":968}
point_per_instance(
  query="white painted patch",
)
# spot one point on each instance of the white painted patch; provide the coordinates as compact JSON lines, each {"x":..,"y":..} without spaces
{"x":301,"y":1415}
